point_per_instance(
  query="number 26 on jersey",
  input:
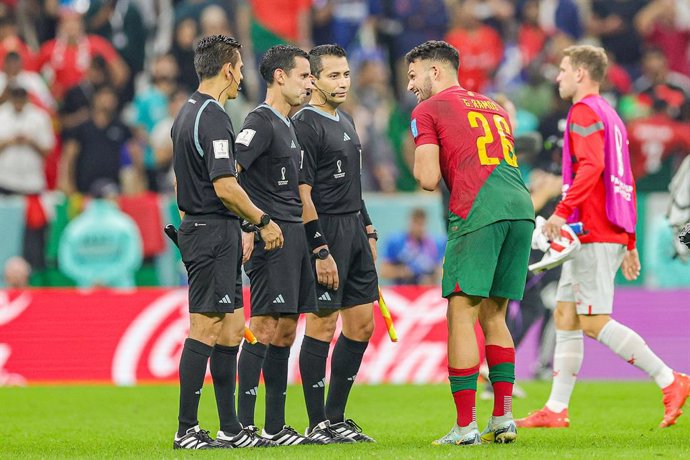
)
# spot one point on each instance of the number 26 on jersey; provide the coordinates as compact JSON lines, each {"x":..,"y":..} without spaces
{"x":478,"y":120}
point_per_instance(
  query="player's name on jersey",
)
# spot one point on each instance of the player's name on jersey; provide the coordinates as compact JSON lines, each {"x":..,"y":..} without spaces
{"x":477,"y":104}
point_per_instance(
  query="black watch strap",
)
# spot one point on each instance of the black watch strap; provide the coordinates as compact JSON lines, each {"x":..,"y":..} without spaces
{"x":373,"y":235}
{"x":265,"y":219}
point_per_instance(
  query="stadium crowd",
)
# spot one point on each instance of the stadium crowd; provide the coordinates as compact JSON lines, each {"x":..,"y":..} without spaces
{"x":106,"y":78}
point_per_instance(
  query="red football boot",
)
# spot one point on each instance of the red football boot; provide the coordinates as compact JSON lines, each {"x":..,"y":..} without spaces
{"x":545,"y":418}
{"x":674,"y":397}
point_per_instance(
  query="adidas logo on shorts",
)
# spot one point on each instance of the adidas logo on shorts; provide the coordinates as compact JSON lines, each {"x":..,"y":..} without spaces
{"x":253,"y":392}
{"x":225,"y":299}
{"x":320,"y":384}
{"x":279,"y":299}
{"x":326,"y":297}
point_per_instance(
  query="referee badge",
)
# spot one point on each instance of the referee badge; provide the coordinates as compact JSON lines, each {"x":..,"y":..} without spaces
{"x":221,"y":148}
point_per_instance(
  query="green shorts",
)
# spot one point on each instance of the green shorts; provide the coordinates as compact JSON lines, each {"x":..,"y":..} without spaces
{"x":489,"y":262}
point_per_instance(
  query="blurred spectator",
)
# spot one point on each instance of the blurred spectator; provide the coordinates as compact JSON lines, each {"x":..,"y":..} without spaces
{"x":183,"y":52}
{"x":665,"y":268}
{"x":77,"y":101}
{"x":10,"y":41}
{"x":340,"y":21}
{"x":654,"y":141}
{"x":560,"y":16}
{"x":101,"y":147}
{"x":121,"y":23}
{"x":151,"y":106}
{"x":214,"y":20}
{"x":531,"y":36}
{"x":479,"y":45}
{"x":102,"y":246}
{"x":67,"y":57}
{"x":404,"y":24}
{"x":26,"y":138}
{"x":656,"y":71}
{"x":373,"y":102}
{"x":161,"y":142}
{"x":14,"y":74}
{"x":665,"y":24}
{"x":413,"y":257}
{"x":16,"y":273}
{"x":612,"y":22}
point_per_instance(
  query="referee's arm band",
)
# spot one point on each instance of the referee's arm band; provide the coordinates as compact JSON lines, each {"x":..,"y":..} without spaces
{"x":314,"y":234}
{"x":365,"y":215}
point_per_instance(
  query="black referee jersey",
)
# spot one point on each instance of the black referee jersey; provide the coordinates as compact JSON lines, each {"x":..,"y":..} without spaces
{"x":332,"y":160}
{"x":203,"y":140}
{"x":270,"y":155}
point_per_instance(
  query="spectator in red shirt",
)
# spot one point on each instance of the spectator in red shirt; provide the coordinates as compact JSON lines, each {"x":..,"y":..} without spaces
{"x":652,"y":140}
{"x":658,"y":24}
{"x":10,"y":41}
{"x":68,"y":55}
{"x":479,"y":45}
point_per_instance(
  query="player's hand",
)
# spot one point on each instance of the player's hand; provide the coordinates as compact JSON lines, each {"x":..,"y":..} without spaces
{"x":552,"y":227}
{"x":372,"y":244}
{"x":272,"y":236}
{"x":327,"y":273}
{"x":631,"y":265}
{"x":247,"y":246}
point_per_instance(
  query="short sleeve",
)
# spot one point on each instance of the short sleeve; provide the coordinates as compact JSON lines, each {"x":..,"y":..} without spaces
{"x":215,"y":139}
{"x":253,"y":140}
{"x":423,"y":127}
{"x":309,"y":141}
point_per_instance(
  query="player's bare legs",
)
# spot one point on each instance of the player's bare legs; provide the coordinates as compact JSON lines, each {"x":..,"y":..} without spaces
{"x":463,"y":368}
{"x":500,"y":357}
{"x":623,"y":341}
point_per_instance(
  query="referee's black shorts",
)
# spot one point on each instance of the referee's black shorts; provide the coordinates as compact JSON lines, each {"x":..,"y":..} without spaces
{"x":349,"y":245}
{"x":211,"y":248}
{"x":282,"y":281}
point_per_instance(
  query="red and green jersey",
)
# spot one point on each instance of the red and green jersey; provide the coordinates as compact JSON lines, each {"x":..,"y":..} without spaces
{"x":477,"y":157}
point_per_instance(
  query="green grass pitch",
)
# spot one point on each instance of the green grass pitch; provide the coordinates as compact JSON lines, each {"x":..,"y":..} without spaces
{"x":608,"y":420}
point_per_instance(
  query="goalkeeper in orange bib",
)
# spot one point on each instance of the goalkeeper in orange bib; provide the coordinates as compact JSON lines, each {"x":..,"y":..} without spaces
{"x":466,"y":138}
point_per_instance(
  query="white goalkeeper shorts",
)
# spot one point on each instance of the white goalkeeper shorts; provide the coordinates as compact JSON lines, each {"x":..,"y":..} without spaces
{"x":588,"y":278}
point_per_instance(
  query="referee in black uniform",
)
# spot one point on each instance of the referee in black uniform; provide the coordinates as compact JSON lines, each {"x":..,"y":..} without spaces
{"x":341,"y":236}
{"x":282,"y":283}
{"x":210,"y":241}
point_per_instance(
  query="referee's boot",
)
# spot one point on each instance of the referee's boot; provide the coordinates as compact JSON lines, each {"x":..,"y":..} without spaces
{"x":247,"y":437}
{"x":195,"y":438}
{"x":350,"y":430}
{"x":326,"y":432}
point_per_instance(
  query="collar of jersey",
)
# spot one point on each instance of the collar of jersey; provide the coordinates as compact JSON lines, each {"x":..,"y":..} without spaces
{"x":285,"y":119}
{"x":335,"y":117}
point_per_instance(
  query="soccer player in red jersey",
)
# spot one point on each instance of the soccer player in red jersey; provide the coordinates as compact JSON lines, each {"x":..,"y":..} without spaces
{"x":466,"y":138}
{"x":599,"y":191}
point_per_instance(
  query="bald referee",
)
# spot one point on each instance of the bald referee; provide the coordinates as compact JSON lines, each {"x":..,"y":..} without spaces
{"x":343,"y":241}
{"x":211,"y":202}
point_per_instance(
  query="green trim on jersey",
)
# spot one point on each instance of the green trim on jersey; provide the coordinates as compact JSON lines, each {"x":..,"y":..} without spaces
{"x":503,"y":196}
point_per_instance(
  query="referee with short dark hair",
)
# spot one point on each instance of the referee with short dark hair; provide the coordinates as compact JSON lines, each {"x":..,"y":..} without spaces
{"x":282,"y":283}
{"x":342,"y":239}
{"x":211,"y":202}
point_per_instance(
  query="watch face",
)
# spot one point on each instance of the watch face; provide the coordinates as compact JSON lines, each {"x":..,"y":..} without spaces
{"x":323,"y":254}
{"x":265,"y":219}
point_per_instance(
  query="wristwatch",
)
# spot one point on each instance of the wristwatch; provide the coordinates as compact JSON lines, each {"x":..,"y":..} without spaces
{"x":374,"y":235}
{"x":265,"y":219}
{"x":322,"y":254}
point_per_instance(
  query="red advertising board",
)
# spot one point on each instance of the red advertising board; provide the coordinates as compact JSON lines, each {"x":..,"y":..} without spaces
{"x":61,"y":335}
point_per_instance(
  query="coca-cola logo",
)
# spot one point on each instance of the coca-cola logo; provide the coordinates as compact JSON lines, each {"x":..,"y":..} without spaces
{"x":150,"y":346}
{"x":10,"y":309}
{"x":161,"y":329}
